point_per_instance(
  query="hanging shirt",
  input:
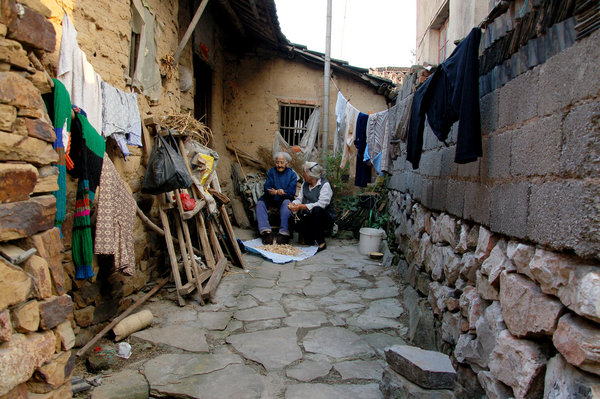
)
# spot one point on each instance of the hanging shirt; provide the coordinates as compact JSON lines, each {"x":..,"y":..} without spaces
{"x":78,"y":75}
{"x":340,"y":111}
{"x":349,"y":133}
{"x":121,"y":117}
{"x":451,"y":94}
{"x":363,"y":170}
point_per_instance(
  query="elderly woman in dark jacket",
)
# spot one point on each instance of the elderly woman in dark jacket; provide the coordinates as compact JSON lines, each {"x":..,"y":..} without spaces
{"x":313,"y":206}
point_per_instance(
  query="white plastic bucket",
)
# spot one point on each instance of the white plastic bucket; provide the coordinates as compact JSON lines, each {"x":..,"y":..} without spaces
{"x":370,"y":240}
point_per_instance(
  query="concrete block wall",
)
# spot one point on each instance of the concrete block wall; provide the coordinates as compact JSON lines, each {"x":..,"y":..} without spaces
{"x":539,"y":177}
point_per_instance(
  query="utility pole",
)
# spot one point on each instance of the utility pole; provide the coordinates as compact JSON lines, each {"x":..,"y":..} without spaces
{"x":326,"y":78}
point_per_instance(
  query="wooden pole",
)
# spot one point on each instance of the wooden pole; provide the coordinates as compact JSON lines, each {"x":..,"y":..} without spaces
{"x":190,"y":30}
{"x":126,"y":313}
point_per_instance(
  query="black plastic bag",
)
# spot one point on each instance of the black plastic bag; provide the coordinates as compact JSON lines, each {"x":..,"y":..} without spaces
{"x":166,"y":169}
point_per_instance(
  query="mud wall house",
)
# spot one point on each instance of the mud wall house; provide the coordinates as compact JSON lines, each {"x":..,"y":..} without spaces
{"x":501,"y":255}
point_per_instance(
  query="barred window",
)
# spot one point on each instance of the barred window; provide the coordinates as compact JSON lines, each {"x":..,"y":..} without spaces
{"x":292,"y":121}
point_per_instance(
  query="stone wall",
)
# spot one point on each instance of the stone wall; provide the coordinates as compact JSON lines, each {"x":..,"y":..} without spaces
{"x":36,"y":332}
{"x":501,"y":255}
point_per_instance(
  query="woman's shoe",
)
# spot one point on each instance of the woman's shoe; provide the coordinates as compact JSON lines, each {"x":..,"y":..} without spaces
{"x":283,"y":239}
{"x":321,"y":247}
{"x":267,"y":238}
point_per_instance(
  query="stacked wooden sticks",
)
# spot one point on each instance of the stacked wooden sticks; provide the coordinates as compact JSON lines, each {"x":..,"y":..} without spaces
{"x":213,"y":230}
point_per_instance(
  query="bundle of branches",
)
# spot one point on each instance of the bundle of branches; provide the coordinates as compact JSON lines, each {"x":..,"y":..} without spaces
{"x":266,"y":157}
{"x":187,"y":125}
{"x":167,"y":66}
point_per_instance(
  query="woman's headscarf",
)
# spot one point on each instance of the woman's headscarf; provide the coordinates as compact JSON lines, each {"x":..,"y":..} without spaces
{"x":313,"y":169}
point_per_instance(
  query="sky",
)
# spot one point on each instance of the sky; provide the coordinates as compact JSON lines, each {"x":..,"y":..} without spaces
{"x":366,"y":33}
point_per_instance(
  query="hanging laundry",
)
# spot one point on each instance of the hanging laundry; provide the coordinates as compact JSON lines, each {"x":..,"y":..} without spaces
{"x":58,"y":104}
{"x":349,"y":133}
{"x":451,"y":94}
{"x":87,"y":153}
{"x":116,"y":216}
{"x":340,"y":111}
{"x":363,"y":170}
{"x":376,"y":126}
{"x":78,"y":75}
{"x":121,"y":117}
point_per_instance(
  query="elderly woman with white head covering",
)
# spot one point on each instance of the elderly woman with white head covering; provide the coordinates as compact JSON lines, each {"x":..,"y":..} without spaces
{"x":314,"y":205}
{"x":280,"y":189}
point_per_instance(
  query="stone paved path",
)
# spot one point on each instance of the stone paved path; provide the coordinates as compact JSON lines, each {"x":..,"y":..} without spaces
{"x":311,"y":329}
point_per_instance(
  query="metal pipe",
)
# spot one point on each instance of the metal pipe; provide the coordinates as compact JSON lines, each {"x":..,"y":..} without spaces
{"x":326,"y":78}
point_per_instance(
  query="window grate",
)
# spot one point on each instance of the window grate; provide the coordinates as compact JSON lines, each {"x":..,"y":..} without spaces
{"x":292,"y":121}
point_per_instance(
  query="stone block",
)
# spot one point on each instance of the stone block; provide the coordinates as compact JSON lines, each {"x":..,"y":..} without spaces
{"x":574,"y":282}
{"x":520,"y":255}
{"x":515,"y":107}
{"x":446,"y":230}
{"x":40,"y":81}
{"x":40,"y":129}
{"x":29,"y":27}
{"x":21,"y":356}
{"x":581,"y":144}
{"x":536,"y":147}
{"x":469,"y":266}
{"x":449,"y":167}
{"x":423,"y":190}
{"x":428,"y":369}
{"x":52,"y":374}
{"x":11,"y":52}
{"x":566,"y":214}
{"x":438,"y":294}
{"x":87,"y":294}
{"x":393,"y":385}
{"x":8,"y":115}
{"x":451,"y":323}
{"x":16,"y":181}
{"x":520,"y":364}
{"x":47,"y":181}
{"x":57,"y":271}
{"x":434,"y":261}
{"x":26,"y":149}
{"x":496,"y":263}
{"x":438,"y":197}
{"x":15,"y":285}
{"x":47,"y":243}
{"x":526,"y":310}
{"x":423,"y":281}
{"x":85,"y":317}
{"x":569,"y":76}
{"x":477,"y":203}
{"x":577,"y":340}
{"x":5,"y":326}
{"x":26,"y":317}
{"x":461,"y":247}
{"x":37,"y":267}
{"x":489,"y":106}
{"x":421,"y":326}
{"x":485,"y":243}
{"x":493,"y":388}
{"x":19,"y":92}
{"x":488,"y":327}
{"x":452,"y":267}
{"x":425,"y":245}
{"x":430,"y":164}
{"x":54,"y":311}
{"x":455,"y":197}
{"x":485,"y":288}
{"x":565,"y":381}
{"x":18,"y":392}
{"x":510,"y":204}
{"x":495,"y":163}
{"x":469,"y":170}
{"x":471,"y":305}
{"x":65,"y":335}
{"x":24,"y":218}
{"x":63,"y":392}
{"x":468,"y":350}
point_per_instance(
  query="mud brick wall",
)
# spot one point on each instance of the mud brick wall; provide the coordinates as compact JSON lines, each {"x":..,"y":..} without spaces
{"x":502,"y":255}
{"x":36,"y":332}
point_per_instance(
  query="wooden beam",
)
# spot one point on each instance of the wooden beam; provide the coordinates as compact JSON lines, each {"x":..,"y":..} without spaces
{"x":190,"y":30}
{"x":254,"y":9}
{"x":233,"y":16}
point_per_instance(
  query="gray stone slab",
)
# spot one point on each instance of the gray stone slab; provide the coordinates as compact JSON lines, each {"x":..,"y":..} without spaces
{"x":274,"y":349}
{"x":259,"y":283}
{"x":369,"y":322}
{"x":324,"y":391}
{"x":429,"y":369}
{"x":182,"y":315}
{"x":385,"y":281}
{"x":393,"y":385}
{"x":359,"y":369}
{"x":343,"y":274}
{"x":212,"y":320}
{"x":383,"y":292}
{"x":343,"y":296}
{"x":265,"y":312}
{"x":337,"y":320}
{"x":308,"y":370}
{"x":262,"y":325}
{"x":245,"y":302}
{"x":385,"y":308}
{"x":178,"y":336}
{"x":360,"y":282}
{"x":344,"y":307}
{"x":381,"y":341}
{"x":293,"y":287}
{"x":265,"y":295}
{"x":305,"y":319}
{"x":319,"y":287}
{"x":335,"y":342}
{"x":126,"y":384}
{"x":295,"y":302}
{"x":293,"y":275}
